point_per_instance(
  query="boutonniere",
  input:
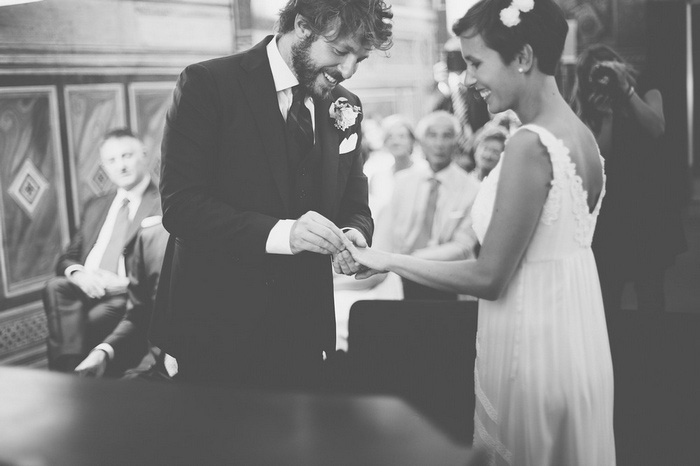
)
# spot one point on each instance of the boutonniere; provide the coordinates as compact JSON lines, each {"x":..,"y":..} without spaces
{"x":343,"y":113}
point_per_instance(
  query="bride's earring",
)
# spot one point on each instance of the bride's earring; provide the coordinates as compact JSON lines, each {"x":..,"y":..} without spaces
{"x":520,"y":70}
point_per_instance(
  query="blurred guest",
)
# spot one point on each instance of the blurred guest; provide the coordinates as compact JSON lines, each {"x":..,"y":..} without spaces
{"x":399,"y":146}
{"x":87,"y":299}
{"x":454,"y":97}
{"x":127,"y":346}
{"x":508,"y":120}
{"x":639,"y":231}
{"x":489,"y":143}
{"x":430,"y":209}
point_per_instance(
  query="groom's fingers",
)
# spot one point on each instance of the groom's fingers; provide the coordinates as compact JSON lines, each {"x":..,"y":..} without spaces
{"x":349,"y":245}
{"x":314,"y":232}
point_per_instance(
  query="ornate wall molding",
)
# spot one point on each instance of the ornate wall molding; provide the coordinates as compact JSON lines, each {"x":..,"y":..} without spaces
{"x":33,"y":211}
{"x":23,"y":335}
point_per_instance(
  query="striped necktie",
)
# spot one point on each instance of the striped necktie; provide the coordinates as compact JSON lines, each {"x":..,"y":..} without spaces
{"x":426,"y":226}
{"x":299,"y":122}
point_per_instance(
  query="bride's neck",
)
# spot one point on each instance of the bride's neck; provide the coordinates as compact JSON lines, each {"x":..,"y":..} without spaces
{"x":541,"y":96}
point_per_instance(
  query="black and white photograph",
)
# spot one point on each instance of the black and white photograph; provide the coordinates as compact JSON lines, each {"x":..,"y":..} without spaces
{"x":350,"y":232}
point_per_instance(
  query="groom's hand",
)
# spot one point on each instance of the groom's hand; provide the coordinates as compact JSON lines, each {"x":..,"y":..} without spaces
{"x":315,"y":233}
{"x":343,"y":262}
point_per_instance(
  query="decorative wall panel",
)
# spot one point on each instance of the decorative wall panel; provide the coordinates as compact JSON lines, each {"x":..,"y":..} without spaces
{"x":23,"y":335}
{"x":91,"y":111}
{"x":33,"y":214}
{"x":148,"y":104}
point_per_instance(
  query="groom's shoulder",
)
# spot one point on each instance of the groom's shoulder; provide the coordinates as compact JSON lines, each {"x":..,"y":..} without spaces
{"x":220,"y":62}
{"x":253,"y":55}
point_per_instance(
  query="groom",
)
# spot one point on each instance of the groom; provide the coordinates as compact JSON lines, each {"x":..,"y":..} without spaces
{"x":261,"y":182}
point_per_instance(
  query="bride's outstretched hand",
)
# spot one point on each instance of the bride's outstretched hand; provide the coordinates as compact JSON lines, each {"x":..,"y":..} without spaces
{"x":371,"y":260}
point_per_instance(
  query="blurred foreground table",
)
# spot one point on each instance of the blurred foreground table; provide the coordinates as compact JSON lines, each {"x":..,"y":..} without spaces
{"x":56,"y":419}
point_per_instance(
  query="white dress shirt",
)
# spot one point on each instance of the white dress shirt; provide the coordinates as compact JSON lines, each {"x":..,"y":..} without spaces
{"x":452,"y":221}
{"x":278,"y":239}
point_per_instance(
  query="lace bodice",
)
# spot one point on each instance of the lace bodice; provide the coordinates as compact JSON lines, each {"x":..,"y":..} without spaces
{"x":566,"y":223}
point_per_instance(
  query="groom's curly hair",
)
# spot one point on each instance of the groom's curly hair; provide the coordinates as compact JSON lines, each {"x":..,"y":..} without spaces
{"x":369,"y":20}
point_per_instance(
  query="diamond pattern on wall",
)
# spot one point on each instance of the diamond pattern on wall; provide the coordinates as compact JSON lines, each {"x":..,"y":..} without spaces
{"x":99,"y":181}
{"x":28,"y":187}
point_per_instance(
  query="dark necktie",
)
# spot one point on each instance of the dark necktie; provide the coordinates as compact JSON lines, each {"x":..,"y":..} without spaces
{"x":426,"y":226}
{"x":299,"y":122}
{"x":110,"y":259}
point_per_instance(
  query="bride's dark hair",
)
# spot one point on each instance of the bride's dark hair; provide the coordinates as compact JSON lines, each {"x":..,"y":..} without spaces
{"x":544,"y":28}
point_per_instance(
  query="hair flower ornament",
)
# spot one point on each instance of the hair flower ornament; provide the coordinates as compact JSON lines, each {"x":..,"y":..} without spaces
{"x":344,"y":113}
{"x":510,"y":16}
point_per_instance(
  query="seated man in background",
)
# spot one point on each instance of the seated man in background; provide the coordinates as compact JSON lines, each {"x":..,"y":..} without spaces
{"x":127,"y":346}
{"x":87,"y":299}
{"x":430,"y":211}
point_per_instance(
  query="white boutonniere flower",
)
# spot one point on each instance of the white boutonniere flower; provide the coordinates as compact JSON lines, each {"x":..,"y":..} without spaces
{"x":510,"y":16}
{"x":343,"y":113}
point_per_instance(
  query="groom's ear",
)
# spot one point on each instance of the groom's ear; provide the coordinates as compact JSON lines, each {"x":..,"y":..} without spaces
{"x":301,"y":27}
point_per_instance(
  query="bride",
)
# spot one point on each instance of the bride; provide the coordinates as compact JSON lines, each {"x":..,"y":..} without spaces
{"x":543,"y":374}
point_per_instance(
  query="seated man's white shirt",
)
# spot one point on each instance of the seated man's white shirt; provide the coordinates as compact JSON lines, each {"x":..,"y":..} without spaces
{"x":94,"y":257}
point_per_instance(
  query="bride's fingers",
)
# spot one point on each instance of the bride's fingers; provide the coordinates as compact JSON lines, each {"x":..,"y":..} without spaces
{"x":366,"y":274}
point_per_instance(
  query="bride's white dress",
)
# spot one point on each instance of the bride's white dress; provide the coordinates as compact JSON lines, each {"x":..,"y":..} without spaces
{"x":543,"y":374}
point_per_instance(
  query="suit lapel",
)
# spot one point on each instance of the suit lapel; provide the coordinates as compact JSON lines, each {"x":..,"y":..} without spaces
{"x":328,"y":140}
{"x":259,"y":89}
{"x":148,"y":206}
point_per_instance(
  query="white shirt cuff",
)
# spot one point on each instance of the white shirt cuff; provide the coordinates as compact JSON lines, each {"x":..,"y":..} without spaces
{"x":170,"y":364}
{"x":73,"y":268}
{"x":107,"y":348}
{"x":278,"y":239}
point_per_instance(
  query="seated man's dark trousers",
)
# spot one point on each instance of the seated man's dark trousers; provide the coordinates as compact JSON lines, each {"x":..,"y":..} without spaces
{"x":77,"y":323}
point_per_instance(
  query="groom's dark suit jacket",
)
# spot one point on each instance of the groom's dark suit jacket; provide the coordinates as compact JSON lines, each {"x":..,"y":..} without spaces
{"x":226,"y":181}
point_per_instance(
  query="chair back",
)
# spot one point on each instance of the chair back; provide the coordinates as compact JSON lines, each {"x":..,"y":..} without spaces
{"x":422,"y":351}
{"x":656,"y":361}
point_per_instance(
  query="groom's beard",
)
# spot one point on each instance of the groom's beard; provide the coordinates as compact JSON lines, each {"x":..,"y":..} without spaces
{"x":308,"y":73}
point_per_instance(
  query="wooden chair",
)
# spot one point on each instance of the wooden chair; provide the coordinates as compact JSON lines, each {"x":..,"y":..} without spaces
{"x":422,"y":351}
{"x":656,"y":360}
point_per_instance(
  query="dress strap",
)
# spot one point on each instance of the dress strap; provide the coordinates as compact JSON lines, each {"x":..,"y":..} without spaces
{"x":551,"y":142}
{"x":561,"y":166}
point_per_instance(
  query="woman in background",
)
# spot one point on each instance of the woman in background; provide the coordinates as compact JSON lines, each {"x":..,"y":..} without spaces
{"x":489,"y":143}
{"x":639,"y":231}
